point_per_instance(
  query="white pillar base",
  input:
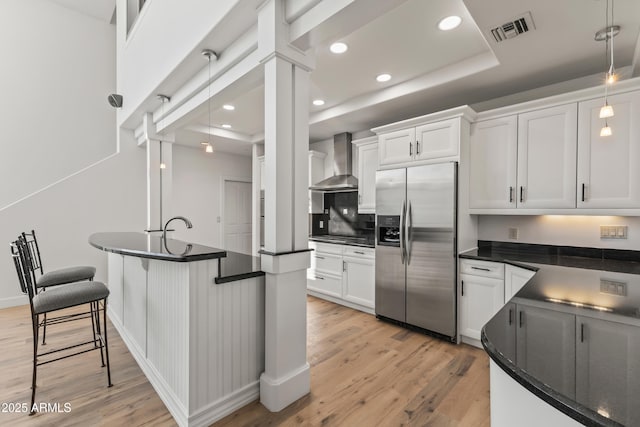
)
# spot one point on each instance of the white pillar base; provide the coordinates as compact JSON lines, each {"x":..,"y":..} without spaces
{"x":277,"y":394}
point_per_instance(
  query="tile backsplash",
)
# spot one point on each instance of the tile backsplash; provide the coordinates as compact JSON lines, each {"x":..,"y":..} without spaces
{"x":341,"y":217}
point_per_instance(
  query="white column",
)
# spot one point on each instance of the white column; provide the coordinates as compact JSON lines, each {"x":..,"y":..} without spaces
{"x":286,"y":377}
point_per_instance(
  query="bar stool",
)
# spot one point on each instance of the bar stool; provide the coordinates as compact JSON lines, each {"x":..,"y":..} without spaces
{"x":58,"y":298}
{"x":54,"y":278}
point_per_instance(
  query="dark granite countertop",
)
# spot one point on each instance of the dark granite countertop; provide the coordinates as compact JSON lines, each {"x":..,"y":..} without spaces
{"x":145,"y":245}
{"x":580,"y":317}
{"x":232,"y":266}
{"x":363,"y":242}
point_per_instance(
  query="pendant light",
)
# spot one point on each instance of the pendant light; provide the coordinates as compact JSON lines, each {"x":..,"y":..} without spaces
{"x":607,"y":35}
{"x":210,"y":54}
{"x":163,"y":99}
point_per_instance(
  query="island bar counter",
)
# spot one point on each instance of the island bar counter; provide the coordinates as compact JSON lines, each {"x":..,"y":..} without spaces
{"x":200,"y":344}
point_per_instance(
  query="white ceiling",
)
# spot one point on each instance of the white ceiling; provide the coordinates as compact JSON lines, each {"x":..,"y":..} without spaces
{"x":432,"y":70}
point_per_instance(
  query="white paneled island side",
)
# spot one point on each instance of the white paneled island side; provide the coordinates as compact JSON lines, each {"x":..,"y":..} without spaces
{"x":197,"y":336}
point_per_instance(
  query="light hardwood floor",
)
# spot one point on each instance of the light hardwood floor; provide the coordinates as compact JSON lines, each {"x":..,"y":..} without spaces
{"x":364,"y":372}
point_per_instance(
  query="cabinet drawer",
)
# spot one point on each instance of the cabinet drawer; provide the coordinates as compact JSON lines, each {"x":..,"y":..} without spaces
{"x":482,"y":268}
{"x":327,"y":248}
{"x":325,"y":284}
{"x":355,"y":251}
{"x":329,"y":263}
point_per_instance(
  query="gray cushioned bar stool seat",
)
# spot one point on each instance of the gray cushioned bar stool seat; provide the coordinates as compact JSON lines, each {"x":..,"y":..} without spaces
{"x":65,"y":275}
{"x":70,"y":295}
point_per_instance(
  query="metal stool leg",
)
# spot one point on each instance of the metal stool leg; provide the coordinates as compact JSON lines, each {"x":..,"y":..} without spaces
{"x":98,"y":330}
{"x":44,"y":328}
{"x":34,"y":321}
{"x":106,"y":346}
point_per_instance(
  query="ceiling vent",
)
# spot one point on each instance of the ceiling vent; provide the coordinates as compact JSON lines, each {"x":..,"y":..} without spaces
{"x":513,"y":28}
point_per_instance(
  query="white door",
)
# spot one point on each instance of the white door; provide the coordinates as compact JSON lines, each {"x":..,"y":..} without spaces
{"x":359,"y":278}
{"x":608,"y":172}
{"x":237,"y":216}
{"x":493,"y":157}
{"x":397,"y":147}
{"x":547,"y":144}
{"x":437,"y":140}
{"x":480,"y":299}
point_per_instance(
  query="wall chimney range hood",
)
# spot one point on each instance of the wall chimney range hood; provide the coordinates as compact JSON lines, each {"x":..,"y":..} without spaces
{"x":342,"y":179}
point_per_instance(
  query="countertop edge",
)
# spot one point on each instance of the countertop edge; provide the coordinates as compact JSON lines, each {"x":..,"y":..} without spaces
{"x":156,"y":256}
{"x":520,"y":264}
{"x":236,"y":277}
{"x":565,"y":405}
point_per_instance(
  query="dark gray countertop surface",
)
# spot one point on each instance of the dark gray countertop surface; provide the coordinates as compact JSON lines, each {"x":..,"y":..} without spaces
{"x":599,"y":288}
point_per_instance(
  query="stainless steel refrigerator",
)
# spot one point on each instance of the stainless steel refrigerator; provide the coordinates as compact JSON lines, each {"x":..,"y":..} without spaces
{"x":416,"y":247}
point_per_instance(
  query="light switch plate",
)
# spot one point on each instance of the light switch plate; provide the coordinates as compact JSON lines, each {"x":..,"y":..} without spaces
{"x":613,"y":287}
{"x":321,"y":224}
{"x":513,"y":233}
{"x":613,"y":231}
{"x":345,"y":211}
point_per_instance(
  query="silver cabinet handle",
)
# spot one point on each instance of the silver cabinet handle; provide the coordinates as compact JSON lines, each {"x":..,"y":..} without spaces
{"x":410,"y":149}
{"x":344,"y":266}
{"x":481,"y":268}
{"x":510,"y":316}
{"x":359,"y":199}
{"x":319,"y":257}
{"x":319,"y":278}
{"x":510,"y":194}
{"x":417,"y":147}
{"x":584,"y":187}
{"x":462,"y":288}
{"x":358,"y":252}
{"x":521,"y":194}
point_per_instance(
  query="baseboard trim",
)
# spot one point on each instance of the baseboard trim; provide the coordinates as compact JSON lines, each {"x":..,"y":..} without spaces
{"x":225,"y":406}
{"x":13,"y":301}
{"x":341,"y":302}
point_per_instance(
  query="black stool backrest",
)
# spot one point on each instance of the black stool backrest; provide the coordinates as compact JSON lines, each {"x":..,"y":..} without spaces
{"x":34,"y":253}
{"x":25,"y":269}
{"x":17,"y":261}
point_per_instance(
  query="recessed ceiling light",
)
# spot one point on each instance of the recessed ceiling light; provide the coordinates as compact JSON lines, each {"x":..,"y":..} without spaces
{"x":383,"y":77}
{"x":318,"y":102}
{"x":338,"y":47}
{"x":228,"y":107}
{"x":449,"y":23}
{"x":226,"y":126}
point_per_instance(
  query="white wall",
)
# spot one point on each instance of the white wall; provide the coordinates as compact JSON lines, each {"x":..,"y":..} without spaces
{"x":58,"y":66}
{"x":197,"y":189}
{"x":581,"y":231}
{"x":109,"y":196}
{"x":164,"y":34}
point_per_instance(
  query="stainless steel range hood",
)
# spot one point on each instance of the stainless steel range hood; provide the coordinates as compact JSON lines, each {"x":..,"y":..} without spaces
{"x":342,"y":180}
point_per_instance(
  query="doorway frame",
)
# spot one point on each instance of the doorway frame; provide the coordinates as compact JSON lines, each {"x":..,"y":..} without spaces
{"x":223,"y":199}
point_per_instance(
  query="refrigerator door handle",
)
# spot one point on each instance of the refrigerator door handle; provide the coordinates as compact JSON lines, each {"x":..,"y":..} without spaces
{"x":407,"y":233}
{"x":402,"y":212}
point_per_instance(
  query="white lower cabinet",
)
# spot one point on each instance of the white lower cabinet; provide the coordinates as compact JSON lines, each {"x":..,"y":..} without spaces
{"x":343,"y":274}
{"x":514,"y":279}
{"x":481,"y":295}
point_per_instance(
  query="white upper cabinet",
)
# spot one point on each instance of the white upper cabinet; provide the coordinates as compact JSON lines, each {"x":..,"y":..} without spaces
{"x":396,"y":147}
{"x":492,"y":164}
{"x":433,"y":138}
{"x":608,"y":171}
{"x":437,"y":140}
{"x":367,"y":167}
{"x":547,"y":141}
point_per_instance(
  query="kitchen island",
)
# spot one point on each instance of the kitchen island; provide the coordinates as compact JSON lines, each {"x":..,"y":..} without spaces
{"x":193,"y":318}
{"x":565,"y":349}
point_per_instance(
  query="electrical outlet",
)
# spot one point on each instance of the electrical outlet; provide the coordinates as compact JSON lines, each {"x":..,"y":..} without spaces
{"x":321,"y":224}
{"x":613,"y":231}
{"x":345,"y":211}
{"x":218,"y":219}
{"x":513,"y":233}
{"x":613,"y":287}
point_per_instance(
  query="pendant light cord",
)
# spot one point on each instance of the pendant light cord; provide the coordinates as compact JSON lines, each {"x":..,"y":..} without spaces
{"x":209,"y":99}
